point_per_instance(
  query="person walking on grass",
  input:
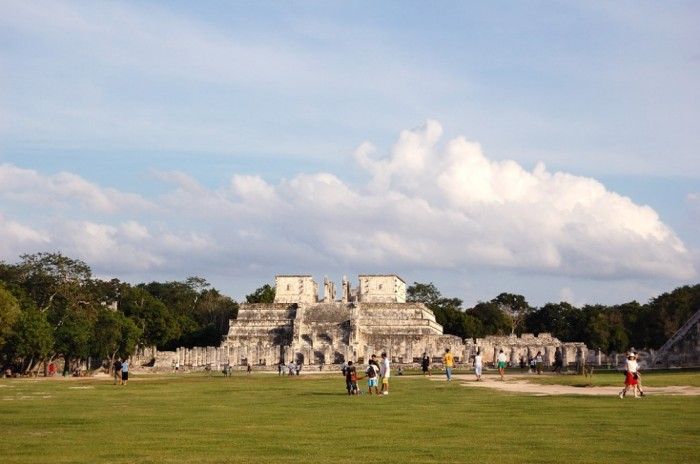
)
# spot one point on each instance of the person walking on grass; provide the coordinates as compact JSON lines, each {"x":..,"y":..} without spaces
{"x":631,"y":376}
{"x":639,"y":375}
{"x":448,"y":361}
{"x":372,"y":372}
{"x":425,"y":364}
{"x":478,"y":365}
{"x":125,"y":371}
{"x":501,"y":363}
{"x":539,"y":362}
{"x":385,"y":373}
{"x":351,"y":379}
{"x":558,"y":361}
{"x":117,"y":371}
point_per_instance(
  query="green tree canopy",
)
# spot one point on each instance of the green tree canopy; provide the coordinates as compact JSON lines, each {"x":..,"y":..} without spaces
{"x":264,"y":294}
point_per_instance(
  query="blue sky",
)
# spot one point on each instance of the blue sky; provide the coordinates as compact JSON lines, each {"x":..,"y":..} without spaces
{"x":141,"y":137}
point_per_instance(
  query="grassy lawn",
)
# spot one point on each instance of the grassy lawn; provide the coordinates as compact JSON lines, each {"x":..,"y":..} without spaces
{"x":607,"y":378}
{"x":263,"y":418}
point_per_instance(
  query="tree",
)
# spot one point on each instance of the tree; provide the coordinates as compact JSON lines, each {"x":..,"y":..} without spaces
{"x":597,"y":327}
{"x":559,"y":319}
{"x":73,"y":338}
{"x":48,"y":275}
{"x":493,"y":321}
{"x":515,"y":306}
{"x":31,"y":340}
{"x":264,"y":294}
{"x":448,"y":311}
{"x":423,"y":293}
{"x":9,"y":313}
{"x":157,"y":324}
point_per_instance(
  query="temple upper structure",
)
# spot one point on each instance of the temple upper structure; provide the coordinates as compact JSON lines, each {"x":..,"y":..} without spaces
{"x":300,"y":289}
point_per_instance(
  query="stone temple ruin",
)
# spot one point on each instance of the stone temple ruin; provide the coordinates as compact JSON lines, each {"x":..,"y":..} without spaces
{"x":373,"y":317}
{"x":348,"y":325}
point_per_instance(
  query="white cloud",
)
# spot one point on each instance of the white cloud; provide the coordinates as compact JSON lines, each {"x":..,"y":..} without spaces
{"x":425,"y":206}
{"x":30,"y":187}
{"x":17,"y":238}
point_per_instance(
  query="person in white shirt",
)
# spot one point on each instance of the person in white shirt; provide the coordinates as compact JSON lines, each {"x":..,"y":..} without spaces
{"x":502,"y":362}
{"x":385,"y":373}
{"x":478,"y":365}
{"x":631,"y":376}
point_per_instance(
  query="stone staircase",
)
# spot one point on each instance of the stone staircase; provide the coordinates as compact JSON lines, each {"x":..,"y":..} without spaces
{"x":662,"y":354}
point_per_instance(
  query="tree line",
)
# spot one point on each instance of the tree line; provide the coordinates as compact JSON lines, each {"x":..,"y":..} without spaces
{"x":609,"y":328}
{"x":52,"y":307}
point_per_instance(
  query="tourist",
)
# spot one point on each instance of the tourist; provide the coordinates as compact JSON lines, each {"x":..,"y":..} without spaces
{"x":385,"y":372}
{"x":290,"y":368}
{"x":351,"y":379}
{"x":522,"y":364}
{"x":501,"y":363}
{"x":117,"y":371}
{"x":125,"y":371}
{"x":531,"y":362}
{"x":539,"y":361}
{"x":249,"y":369}
{"x":297,"y":369}
{"x":639,"y":375}
{"x":478,"y":365}
{"x":373,"y":360}
{"x":372,"y":372}
{"x":279,"y":368}
{"x":449,"y":362}
{"x":558,"y":361}
{"x":425,"y":364}
{"x":400,"y":370}
{"x":631,"y":376}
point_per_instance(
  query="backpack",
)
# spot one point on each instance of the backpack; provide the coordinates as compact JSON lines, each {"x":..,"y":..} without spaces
{"x":371,"y":371}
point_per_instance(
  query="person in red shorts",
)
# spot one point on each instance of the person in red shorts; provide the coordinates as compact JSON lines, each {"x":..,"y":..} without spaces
{"x":631,"y":377}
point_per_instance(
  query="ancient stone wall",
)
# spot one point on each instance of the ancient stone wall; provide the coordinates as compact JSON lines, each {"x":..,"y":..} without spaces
{"x":527,"y":346}
{"x":197,"y":358}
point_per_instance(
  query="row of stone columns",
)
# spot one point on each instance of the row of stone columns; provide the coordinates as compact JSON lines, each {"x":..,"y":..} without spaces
{"x":200,"y":356}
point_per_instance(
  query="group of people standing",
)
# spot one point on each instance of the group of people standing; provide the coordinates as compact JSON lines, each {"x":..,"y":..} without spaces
{"x":121,"y":371}
{"x":375,"y":371}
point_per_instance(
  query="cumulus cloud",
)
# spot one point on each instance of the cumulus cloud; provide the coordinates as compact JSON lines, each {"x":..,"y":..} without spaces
{"x":426,"y":205}
{"x":16,"y":236}
{"x":30,"y":187}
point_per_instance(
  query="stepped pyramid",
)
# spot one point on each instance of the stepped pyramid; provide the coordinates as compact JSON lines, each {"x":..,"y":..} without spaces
{"x":683,"y":348}
{"x":371,"y":318}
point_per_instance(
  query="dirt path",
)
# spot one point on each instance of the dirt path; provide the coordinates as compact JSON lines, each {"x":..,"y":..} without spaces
{"x":521,"y":385}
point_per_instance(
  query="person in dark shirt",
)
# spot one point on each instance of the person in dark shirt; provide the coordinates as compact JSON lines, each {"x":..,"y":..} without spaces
{"x":425,"y":364}
{"x":351,"y":379}
{"x":117,"y":370}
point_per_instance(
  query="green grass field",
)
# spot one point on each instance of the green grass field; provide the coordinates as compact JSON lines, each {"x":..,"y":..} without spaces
{"x":263,"y":418}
